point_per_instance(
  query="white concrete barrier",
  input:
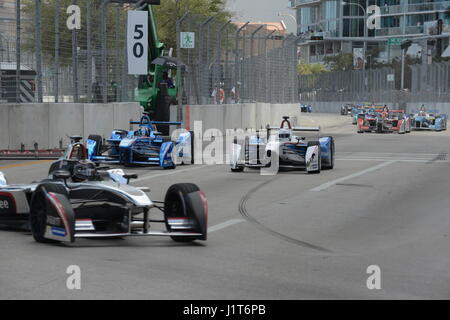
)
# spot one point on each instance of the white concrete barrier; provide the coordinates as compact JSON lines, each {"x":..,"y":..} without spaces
{"x":443,"y":107}
{"x":48,"y":123}
{"x":232,"y":116}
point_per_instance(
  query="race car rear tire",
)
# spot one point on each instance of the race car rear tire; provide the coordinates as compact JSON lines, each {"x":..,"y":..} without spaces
{"x":192,"y":147}
{"x":99,"y":143}
{"x":38,"y":210}
{"x":331,"y":165}
{"x":175,"y":206}
{"x":379,"y":128}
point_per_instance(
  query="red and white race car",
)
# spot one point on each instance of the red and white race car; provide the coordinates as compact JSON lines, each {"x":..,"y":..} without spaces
{"x":381,"y":121}
{"x":400,"y":121}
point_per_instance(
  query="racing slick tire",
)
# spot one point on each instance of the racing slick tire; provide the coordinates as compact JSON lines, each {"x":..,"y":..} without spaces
{"x":39,"y":208}
{"x":173,"y":166}
{"x":331,"y":165}
{"x":316,"y":143}
{"x":192,"y":147}
{"x":238,"y":169}
{"x":176,"y":205}
{"x":379,"y":128}
{"x":99,"y":143}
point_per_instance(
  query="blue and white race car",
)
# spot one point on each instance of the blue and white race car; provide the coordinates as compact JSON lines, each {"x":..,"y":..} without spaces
{"x":305,"y":108}
{"x":429,"y":120}
{"x":293,"y":151}
{"x":145,"y":146}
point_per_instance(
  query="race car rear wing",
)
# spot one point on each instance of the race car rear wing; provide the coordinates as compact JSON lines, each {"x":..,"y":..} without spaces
{"x":164,"y":123}
{"x":146,"y":121}
{"x":299,"y":129}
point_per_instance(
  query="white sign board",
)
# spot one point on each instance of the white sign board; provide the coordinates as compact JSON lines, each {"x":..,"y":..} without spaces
{"x":137,"y":42}
{"x":358,"y":58}
{"x":187,"y":40}
{"x":390,"y":77}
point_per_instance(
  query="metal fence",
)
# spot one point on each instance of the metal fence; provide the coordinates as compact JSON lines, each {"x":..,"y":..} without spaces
{"x":41,"y":60}
{"x":423,"y":83}
{"x":236,"y":63}
{"x":430,"y":82}
{"x":356,"y":85}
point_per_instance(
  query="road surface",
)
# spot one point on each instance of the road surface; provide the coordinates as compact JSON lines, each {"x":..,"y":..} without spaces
{"x":289,"y":236}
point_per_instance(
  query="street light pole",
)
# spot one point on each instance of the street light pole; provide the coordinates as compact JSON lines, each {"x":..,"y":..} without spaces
{"x":292,"y":17}
{"x":365,"y":29}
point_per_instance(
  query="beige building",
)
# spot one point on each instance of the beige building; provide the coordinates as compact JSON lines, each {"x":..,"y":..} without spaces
{"x":270,"y":36}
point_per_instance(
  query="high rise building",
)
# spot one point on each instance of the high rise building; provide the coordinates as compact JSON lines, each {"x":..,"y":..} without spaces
{"x":342,"y":25}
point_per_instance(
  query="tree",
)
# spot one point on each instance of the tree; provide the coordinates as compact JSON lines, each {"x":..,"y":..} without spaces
{"x":48,"y":28}
{"x":166,"y":15}
{"x":339,"y":62}
{"x":310,"y":68}
{"x":170,"y":11}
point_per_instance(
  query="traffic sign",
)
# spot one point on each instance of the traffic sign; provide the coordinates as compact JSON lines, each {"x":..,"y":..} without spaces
{"x":395,"y":41}
{"x":187,"y":40}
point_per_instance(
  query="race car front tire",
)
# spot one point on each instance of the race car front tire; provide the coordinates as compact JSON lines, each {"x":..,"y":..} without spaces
{"x":330,"y":166}
{"x":98,"y":145}
{"x":38,"y":210}
{"x":238,"y":169}
{"x":175,"y":206}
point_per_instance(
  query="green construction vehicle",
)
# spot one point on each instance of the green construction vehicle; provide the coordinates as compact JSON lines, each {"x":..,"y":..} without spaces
{"x":156,"y":90}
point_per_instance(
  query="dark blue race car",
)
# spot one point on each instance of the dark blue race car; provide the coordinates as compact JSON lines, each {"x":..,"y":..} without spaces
{"x":145,"y":146}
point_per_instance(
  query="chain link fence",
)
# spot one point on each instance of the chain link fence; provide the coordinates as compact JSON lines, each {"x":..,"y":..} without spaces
{"x":430,"y":82}
{"x":41,"y":60}
{"x":423,"y":83}
{"x":355,"y":85}
{"x":236,"y":62}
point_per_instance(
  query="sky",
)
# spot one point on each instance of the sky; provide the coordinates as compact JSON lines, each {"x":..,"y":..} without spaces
{"x":262,"y":11}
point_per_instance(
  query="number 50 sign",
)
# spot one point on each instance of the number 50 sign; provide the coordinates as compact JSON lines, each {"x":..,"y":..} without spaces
{"x":137,"y":42}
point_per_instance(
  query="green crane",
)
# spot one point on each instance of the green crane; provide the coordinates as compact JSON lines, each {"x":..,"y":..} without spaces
{"x":154,"y":96}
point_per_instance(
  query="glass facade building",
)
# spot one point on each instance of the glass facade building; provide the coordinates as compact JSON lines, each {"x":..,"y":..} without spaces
{"x":342,"y":24}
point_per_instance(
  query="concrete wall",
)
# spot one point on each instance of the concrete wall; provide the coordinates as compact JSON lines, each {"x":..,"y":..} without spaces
{"x":443,"y":107}
{"x":48,"y":123}
{"x":258,"y":115}
{"x":232,"y":116}
{"x":335,"y":107}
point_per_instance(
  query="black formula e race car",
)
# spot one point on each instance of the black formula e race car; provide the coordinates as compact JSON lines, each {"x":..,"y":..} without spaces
{"x":81,"y":200}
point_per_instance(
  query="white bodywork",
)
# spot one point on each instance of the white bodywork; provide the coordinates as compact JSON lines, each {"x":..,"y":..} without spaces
{"x":3,"y":181}
{"x":260,"y":150}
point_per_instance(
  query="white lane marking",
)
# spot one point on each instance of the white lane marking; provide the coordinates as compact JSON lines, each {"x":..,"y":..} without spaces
{"x":168,"y":173}
{"x":385,"y":153}
{"x":224,"y":225}
{"x":354,"y":175}
{"x":397,"y":160}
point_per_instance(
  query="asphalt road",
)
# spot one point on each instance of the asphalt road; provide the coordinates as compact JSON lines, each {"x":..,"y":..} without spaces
{"x":289,"y":236}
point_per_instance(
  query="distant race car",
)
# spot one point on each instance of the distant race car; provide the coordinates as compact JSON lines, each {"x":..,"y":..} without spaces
{"x":347,"y":109}
{"x":306,"y":108}
{"x":357,"y":114}
{"x":429,"y":120}
{"x":82,"y":200}
{"x":145,"y":146}
{"x":294,"y":151}
{"x":400,"y":121}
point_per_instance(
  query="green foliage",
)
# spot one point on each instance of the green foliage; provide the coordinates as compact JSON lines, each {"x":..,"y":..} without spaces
{"x":310,"y":68}
{"x":166,"y":15}
{"x":48,"y":12}
{"x":171,"y":10}
{"x":339,"y":62}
